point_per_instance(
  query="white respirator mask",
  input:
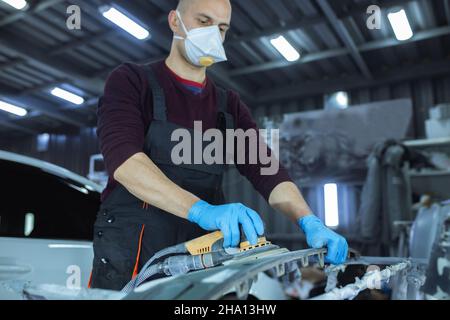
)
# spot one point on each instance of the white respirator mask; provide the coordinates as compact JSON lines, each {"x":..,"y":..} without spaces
{"x":203,"y":46}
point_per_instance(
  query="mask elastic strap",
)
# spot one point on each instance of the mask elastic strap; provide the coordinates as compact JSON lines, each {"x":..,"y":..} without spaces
{"x":182,"y":25}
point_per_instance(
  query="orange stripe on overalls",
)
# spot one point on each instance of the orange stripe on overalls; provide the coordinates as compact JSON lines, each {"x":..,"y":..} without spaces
{"x":136,"y":265}
{"x":90,"y":280}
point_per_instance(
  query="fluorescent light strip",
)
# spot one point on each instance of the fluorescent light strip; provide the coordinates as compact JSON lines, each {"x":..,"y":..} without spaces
{"x":342,"y":99}
{"x":16,"y":4}
{"x":18,"y":111}
{"x":400,"y":25}
{"x":66,"y":95}
{"x":331,"y":205}
{"x":29,"y":224}
{"x":285,"y":48}
{"x":124,"y":22}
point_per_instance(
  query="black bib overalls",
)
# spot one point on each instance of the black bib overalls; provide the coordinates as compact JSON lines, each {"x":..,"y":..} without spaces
{"x":128,"y":231}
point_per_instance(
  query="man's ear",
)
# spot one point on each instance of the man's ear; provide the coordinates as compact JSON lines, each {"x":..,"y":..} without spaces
{"x":173,"y":21}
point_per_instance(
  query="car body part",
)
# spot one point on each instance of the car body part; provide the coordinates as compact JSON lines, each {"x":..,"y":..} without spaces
{"x":236,"y":275}
{"x":197,"y":254}
{"x":57,"y":292}
{"x":332,"y":274}
{"x":372,"y":279}
{"x":437,"y":284}
{"x":425,"y":231}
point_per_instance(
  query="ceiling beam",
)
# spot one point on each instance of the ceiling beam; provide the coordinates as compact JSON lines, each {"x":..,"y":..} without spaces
{"x":39,"y":88}
{"x":345,"y":36}
{"x":301,"y":23}
{"x":49,"y":110}
{"x":306,"y":22}
{"x":307,"y":89}
{"x":19,"y":15}
{"x":9,"y":125}
{"x":44,"y":107}
{"x":83,"y":41}
{"x":316,"y":56}
{"x":358,"y":9}
{"x":392,"y":42}
{"x":14,"y":123}
{"x":11,"y":63}
{"x":332,"y":53}
{"x":32,"y":53}
{"x":447,"y":10}
{"x":113,"y":31}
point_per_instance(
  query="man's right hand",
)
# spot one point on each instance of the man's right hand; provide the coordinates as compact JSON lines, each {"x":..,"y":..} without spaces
{"x":227,"y":218}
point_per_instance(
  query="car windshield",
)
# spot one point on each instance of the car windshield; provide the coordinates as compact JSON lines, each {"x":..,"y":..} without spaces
{"x":38,"y":204}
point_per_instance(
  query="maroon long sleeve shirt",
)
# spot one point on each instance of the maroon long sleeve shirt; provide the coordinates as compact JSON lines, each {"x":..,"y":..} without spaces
{"x":126,"y":112}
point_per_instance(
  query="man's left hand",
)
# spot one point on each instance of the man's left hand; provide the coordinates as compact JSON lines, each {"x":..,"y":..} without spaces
{"x":318,"y":236}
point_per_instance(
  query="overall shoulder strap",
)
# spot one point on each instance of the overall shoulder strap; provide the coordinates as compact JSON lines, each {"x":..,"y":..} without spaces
{"x":225,"y":119}
{"x":222,"y":99}
{"x":159,"y":100}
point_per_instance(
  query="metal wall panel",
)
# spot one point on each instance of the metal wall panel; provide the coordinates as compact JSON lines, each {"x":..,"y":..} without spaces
{"x":69,"y":151}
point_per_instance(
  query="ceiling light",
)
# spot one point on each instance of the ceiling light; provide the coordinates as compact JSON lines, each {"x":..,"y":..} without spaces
{"x":400,"y":25}
{"x":342,"y":99}
{"x":29,"y":224}
{"x":66,"y":95}
{"x":285,"y":48}
{"x":124,"y":22}
{"x":18,"y":111}
{"x":16,"y":4}
{"x":337,"y":100}
{"x":331,"y":205}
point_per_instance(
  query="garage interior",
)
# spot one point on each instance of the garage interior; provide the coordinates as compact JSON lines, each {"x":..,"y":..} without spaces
{"x":363,"y":114}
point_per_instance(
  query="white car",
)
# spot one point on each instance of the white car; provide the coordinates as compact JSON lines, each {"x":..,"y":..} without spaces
{"x":46,"y":223}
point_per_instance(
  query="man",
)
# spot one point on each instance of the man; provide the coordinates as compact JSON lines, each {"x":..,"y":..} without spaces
{"x":151,"y":203}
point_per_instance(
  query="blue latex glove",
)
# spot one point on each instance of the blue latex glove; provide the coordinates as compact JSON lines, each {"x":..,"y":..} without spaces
{"x":227,"y":218}
{"x":318,"y":236}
